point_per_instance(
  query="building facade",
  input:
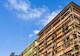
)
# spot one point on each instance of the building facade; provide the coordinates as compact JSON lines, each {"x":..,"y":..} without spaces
{"x":31,"y":50}
{"x":61,"y":37}
{"x":13,"y":54}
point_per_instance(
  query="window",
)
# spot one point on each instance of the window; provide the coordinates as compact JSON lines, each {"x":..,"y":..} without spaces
{"x":63,"y":54}
{"x":79,"y":22}
{"x":49,"y":53}
{"x":53,"y":52}
{"x":67,"y":38}
{"x":45,"y":54}
{"x":79,"y":32}
{"x":78,"y":53}
{"x":53,"y":35}
{"x":77,"y":47}
{"x":64,"y":28}
{"x":68,"y":54}
{"x":54,"y":46}
{"x":74,"y":36}
{"x":45,"y":42}
{"x":64,"y":40}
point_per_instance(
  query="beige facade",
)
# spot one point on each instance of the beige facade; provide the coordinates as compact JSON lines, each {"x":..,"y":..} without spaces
{"x":31,"y":50}
{"x":61,"y":37}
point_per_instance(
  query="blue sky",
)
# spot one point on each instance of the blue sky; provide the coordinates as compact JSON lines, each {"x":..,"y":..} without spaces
{"x":21,"y":20}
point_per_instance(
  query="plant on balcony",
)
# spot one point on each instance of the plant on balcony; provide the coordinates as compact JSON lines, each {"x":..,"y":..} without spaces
{"x":69,"y":54}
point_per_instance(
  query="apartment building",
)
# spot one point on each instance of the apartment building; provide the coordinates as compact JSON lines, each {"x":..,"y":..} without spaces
{"x":61,"y":37}
{"x":13,"y":54}
{"x":31,"y":50}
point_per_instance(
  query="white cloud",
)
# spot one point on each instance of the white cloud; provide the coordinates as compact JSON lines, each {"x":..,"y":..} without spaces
{"x":36,"y":31}
{"x":33,"y":33}
{"x":30,"y":35}
{"x":25,"y":10}
{"x":18,"y":5}
{"x":48,"y":17}
{"x":33,"y":13}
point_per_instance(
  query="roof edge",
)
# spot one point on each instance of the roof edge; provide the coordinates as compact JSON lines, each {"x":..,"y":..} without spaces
{"x":71,"y":3}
